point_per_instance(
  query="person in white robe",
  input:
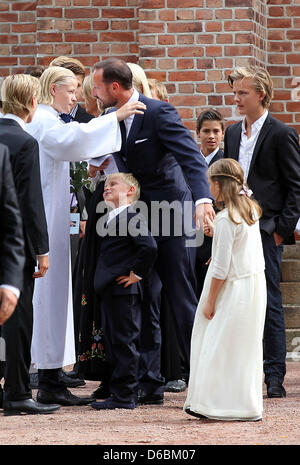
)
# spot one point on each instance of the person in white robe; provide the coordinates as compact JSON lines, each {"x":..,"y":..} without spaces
{"x":226,"y":375}
{"x":59,"y":143}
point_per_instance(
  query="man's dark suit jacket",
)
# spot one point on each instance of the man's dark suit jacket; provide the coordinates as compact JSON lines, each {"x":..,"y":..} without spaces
{"x":24,"y":157}
{"x":11,"y":233}
{"x":274,"y":174}
{"x":122,"y":250}
{"x":164,"y":157}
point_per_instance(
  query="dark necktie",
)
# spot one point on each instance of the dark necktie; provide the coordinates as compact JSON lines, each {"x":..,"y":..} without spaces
{"x":66,"y":117}
{"x":123,"y":151}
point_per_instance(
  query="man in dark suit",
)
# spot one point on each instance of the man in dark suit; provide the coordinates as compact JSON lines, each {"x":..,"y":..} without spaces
{"x":19,"y":105}
{"x":11,"y":240}
{"x":210,"y":128}
{"x":11,"y":250}
{"x":127,"y":254}
{"x":164,"y":158}
{"x":268,"y":152}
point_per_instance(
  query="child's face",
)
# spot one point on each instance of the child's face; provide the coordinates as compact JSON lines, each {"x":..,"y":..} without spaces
{"x":117,"y":192}
{"x":214,"y":187}
{"x":210,"y":135}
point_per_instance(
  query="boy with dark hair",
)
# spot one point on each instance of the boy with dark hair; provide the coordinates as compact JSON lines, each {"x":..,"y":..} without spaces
{"x":210,"y":128}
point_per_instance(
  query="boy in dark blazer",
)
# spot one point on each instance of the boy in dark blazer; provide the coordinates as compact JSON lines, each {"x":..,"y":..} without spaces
{"x":268,"y":152}
{"x":210,"y":127}
{"x":127,"y":254}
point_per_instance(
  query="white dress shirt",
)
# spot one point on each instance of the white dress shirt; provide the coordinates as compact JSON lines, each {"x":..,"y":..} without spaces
{"x":209,"y":157}
{"x":247,"y":146}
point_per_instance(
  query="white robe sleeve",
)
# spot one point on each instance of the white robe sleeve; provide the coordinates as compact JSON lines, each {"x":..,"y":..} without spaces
{"x":223,"y":239}
{"x":80,"y":141}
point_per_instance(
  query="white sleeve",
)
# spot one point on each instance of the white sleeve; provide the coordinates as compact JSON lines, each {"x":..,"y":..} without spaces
{"x":222,"y":248}
{"x":80,"y":141}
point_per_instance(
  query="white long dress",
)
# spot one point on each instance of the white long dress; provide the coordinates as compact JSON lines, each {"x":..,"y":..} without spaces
{"x":59,"y":143}
{"x":226,"y":372}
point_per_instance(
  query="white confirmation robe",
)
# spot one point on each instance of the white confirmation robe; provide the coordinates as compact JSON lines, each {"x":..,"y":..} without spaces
{"x":59,"y":143}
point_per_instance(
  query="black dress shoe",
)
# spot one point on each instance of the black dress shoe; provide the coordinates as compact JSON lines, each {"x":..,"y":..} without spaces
{"x":74,"y":374}
{"x":67,"y":381}
{"x":150,"y":399}
{"x":1,"y":397}
{"x":177,"y":385}
{"x":64,"y":397}
{"x":29,"y":406}
{"x":275,"y":389}
{"x":102,"y":392}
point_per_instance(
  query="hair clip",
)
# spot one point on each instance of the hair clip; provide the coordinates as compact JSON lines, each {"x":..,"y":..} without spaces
{"x":246,"y":191}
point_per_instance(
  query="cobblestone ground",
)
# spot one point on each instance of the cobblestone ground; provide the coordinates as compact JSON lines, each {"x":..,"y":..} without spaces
{"x":157,"y":425}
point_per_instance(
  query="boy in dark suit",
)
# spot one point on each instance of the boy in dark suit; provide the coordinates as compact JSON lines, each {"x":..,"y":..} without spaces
{"x":127,"y":254}
{"x":210,"y":127}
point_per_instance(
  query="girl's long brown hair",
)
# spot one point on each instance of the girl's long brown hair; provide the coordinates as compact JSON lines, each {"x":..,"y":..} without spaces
{"x":229,"y":174}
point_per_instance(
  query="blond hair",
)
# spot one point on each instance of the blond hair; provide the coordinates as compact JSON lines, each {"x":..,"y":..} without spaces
{"x":261,"y":81}
{"x":160,"y":88}
{"x":139,"y":79}
{"x":67,"y":62}
{"x":53,"y":75}
{"x":230,"y":176}
{"x":17,"y":92}
{"x":129,"y":180}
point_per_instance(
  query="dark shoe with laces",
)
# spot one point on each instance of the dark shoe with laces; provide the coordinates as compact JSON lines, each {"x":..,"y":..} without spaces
{"x":150,"y":399}
{"x":275,"y":389}
{"x":67,"y":381}
{"x":176,"y":385}
{"x":64,"y":397}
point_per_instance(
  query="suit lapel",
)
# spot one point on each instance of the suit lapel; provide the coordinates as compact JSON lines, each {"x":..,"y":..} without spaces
{"x":263,"y":132}
{"x":217,"y":157}
{"x":235,"y":139}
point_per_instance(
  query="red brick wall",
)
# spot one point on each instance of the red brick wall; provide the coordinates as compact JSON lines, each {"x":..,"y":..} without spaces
{"x":189,"y":44}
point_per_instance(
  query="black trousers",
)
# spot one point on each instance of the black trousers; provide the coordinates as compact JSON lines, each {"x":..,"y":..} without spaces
{"x":274,"y":341}
{"x":122,"y":328}
{"x":17,"y":333}
{"x":176,"y":268}
{"x":151,"y":380}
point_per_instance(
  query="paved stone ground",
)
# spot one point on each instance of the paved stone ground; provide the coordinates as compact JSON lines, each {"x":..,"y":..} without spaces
{"x":157,"y":425}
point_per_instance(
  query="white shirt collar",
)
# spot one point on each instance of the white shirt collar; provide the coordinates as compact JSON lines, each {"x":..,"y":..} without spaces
{"x":257,"y":125}
{"x":128,"y":121}
{"x":15,"y":118}
{"x":211,"y":155}
{"x":49,"y":108}
{"x":116,"y":211}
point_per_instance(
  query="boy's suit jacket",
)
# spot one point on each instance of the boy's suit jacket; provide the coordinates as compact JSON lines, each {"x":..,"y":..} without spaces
{"x":24,"y":157}
{"x":274,"y":174}
{"x":122,"y":250}
{"x":11,"y":233}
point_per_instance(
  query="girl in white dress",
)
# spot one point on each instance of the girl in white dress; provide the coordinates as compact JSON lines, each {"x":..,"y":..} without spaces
{"x":226,"y":347}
